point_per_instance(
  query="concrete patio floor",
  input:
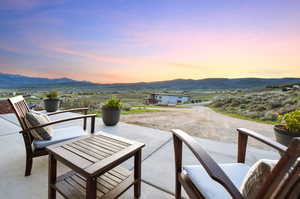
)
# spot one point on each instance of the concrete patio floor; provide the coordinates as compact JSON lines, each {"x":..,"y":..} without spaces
{"x":157,"y":164}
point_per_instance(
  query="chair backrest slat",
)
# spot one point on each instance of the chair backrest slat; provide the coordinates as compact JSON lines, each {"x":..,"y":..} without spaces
{"x":284,"y":180}
{"x":294,"y":193}
{"x":291,"y":188}
{"x":20,"y":107}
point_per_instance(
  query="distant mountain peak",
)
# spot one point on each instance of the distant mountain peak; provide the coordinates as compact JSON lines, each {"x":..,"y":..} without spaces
{"x":21,"y":81}
{"x":16,"y":80}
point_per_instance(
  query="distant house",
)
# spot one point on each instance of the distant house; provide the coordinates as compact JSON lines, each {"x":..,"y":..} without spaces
{"x":165,"y":98}
{"x":286,"y":89}
{"x":296,"y":87}
{"x":34,"y":97}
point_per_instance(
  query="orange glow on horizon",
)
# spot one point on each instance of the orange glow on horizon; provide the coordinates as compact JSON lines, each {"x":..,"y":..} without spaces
{"x":104,"y":43}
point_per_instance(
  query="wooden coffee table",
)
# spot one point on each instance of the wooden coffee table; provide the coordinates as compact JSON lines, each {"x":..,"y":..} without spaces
{"x":94,"y":161}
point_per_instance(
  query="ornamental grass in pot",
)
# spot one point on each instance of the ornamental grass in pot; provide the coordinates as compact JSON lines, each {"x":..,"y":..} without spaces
{"x":289,"y":127}
{"x":111,"y":111}
{"x":52,"y":101}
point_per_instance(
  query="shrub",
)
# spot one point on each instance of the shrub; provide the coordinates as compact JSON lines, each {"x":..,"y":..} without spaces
{"x":264,"y":105}
{"x":270,"y":115}
{"x":260,"y":108}
{"x":235,"y":103}
{"x":274,"y":104}
{"x":92,"y":104}
{"x":287,"y":108}
{"x":243,"y":106}
{"x":290,"y":101}
{"x":291,"y":121}
{"x":218,"y":103}
{"x":252,"y":115}
{"x":126,"y":107}
{"x":52,"y":95}
{"x":113,"y":102}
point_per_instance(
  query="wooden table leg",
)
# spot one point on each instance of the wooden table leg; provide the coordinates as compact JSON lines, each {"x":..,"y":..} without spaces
{"x":91,"y":188}
{"x":52,"y":173}
{"x":137,"y":173}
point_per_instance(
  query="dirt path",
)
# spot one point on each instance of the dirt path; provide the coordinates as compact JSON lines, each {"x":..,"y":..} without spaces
{"x":200,"y":121}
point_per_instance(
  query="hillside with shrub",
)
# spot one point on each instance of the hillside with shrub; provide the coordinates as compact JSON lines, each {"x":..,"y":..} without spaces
{"x":259,"y":105}
{"x":9,"y":81}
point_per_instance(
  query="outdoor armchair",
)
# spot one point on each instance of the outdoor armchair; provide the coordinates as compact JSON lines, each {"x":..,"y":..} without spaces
{"x":209,"y":179}
{"x":35,"y":148}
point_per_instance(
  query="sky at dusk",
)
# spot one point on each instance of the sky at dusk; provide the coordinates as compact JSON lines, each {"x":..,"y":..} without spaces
{"x":150,"y":40}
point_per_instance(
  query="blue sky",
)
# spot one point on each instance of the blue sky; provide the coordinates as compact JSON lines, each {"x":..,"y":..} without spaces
{"x":141,"y":40}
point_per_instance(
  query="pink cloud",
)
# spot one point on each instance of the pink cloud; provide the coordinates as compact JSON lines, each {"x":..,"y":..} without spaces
{"x":10,"y":48}
{"x":186,"y":53}
{"x":188,"y":46}
{"x":101,"y":59}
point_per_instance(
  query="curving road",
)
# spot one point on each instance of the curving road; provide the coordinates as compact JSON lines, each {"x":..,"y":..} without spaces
{"x":200,"y":121}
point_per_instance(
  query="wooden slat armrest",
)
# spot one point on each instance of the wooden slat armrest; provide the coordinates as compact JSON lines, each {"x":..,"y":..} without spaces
{"x":69,"y":110}
{"x":243,"y":134}
{"x":93,"y":116}
{"x":211,"y":167}
{"x":263,"y":139}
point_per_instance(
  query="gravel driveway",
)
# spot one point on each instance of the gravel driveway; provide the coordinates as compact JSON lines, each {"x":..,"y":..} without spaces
{"x":200,"y":121}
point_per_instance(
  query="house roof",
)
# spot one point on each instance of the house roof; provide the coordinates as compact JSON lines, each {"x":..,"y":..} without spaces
{"x":170,"y":94}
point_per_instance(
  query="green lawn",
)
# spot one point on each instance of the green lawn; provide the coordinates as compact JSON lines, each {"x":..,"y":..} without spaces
{"x":131,"y":111}
{"x":241,"y":116}
{"x":140,"y":111}
{"x":161,"y":106}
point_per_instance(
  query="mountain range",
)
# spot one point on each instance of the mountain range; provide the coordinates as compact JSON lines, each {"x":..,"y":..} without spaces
{"x":8,"y":81}
{"x":21,"y":81}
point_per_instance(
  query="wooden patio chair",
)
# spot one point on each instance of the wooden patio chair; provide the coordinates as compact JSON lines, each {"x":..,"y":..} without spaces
{"x":223,"y":179}
{"x":35,"y":148}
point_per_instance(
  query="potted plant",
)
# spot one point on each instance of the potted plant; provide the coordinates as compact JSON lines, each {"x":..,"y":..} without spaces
{"x":52,"y":101}
{"x":289,"y":127}
{"x":111,"y":111}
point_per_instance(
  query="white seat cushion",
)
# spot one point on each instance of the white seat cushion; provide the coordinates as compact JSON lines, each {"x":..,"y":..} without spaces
{"x":59,"y":135}
{"x":209,"y":187}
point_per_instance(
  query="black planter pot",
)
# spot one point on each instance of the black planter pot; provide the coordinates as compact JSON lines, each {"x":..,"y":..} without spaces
{"x":51,"y":105}
{"x":283,"y":136}
{"x":110,"y":116}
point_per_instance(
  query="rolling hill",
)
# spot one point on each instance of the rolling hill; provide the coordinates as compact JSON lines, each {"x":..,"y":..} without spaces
{"x":21,"y":81}
{"x":9,"y":81}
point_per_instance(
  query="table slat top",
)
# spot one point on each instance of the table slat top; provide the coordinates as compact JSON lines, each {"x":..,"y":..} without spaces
{"x":93,"y":154}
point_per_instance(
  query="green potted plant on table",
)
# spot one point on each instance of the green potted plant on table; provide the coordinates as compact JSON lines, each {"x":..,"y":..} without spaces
{"x":52,"y":101}
{"x":289,"y":127}
{"x":111,"y":111}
